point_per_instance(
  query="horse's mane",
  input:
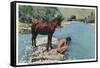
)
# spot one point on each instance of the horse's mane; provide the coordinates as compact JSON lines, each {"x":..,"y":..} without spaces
{"x":54,"y":19}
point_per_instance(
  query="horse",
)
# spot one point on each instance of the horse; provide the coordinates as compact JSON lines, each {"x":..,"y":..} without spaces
{"x":45,"y":28}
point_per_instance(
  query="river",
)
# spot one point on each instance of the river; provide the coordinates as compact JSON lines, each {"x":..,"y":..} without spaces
{"x":82,"y":45}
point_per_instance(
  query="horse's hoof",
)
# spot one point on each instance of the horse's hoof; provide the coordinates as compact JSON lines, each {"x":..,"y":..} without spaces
{"x":36,"y":47}
{"x":47,"y":50}
{"x":52,"y":48}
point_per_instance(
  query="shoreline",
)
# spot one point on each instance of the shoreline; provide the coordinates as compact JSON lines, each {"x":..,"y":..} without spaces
{"x":27,"y":30}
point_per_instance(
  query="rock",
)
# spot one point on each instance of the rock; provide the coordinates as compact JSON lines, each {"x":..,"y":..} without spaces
{"x":42,"y":54}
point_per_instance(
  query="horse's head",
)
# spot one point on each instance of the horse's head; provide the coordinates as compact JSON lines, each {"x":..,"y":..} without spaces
{"x":59,"y":20}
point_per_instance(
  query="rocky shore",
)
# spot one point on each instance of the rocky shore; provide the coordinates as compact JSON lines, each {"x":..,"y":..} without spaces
{"x":39,"y":54}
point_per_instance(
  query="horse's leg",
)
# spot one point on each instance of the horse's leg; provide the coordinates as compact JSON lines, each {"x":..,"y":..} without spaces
{"x":34,"y":39}
{"x":47,"y":47}
{"x":50,"y":41}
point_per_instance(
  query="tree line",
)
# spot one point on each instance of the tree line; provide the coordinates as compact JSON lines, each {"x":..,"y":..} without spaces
{"x":27,"y":13}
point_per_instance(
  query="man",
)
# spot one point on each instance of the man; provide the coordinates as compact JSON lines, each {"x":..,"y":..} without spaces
{"x":63,"y":44}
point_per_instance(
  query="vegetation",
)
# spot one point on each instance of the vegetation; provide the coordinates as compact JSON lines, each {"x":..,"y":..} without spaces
{"x":28,"y":13}
{"x":80,"y":13}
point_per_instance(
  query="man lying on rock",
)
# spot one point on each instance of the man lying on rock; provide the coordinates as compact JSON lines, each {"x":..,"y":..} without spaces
{"x":63,"y":44}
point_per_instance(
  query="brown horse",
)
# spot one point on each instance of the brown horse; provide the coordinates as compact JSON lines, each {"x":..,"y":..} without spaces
{"x":45,"y":28}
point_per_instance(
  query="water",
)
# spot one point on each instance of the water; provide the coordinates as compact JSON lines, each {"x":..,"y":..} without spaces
{"x":83,"y":40}
{"x":82,"y":45}
{"x":24,"y":43}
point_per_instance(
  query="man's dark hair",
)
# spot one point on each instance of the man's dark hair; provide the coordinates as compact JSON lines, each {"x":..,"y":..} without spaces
{"x":68,"y":39}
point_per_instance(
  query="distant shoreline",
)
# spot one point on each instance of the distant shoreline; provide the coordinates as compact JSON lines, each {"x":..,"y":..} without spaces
{"x":26,"y":30}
